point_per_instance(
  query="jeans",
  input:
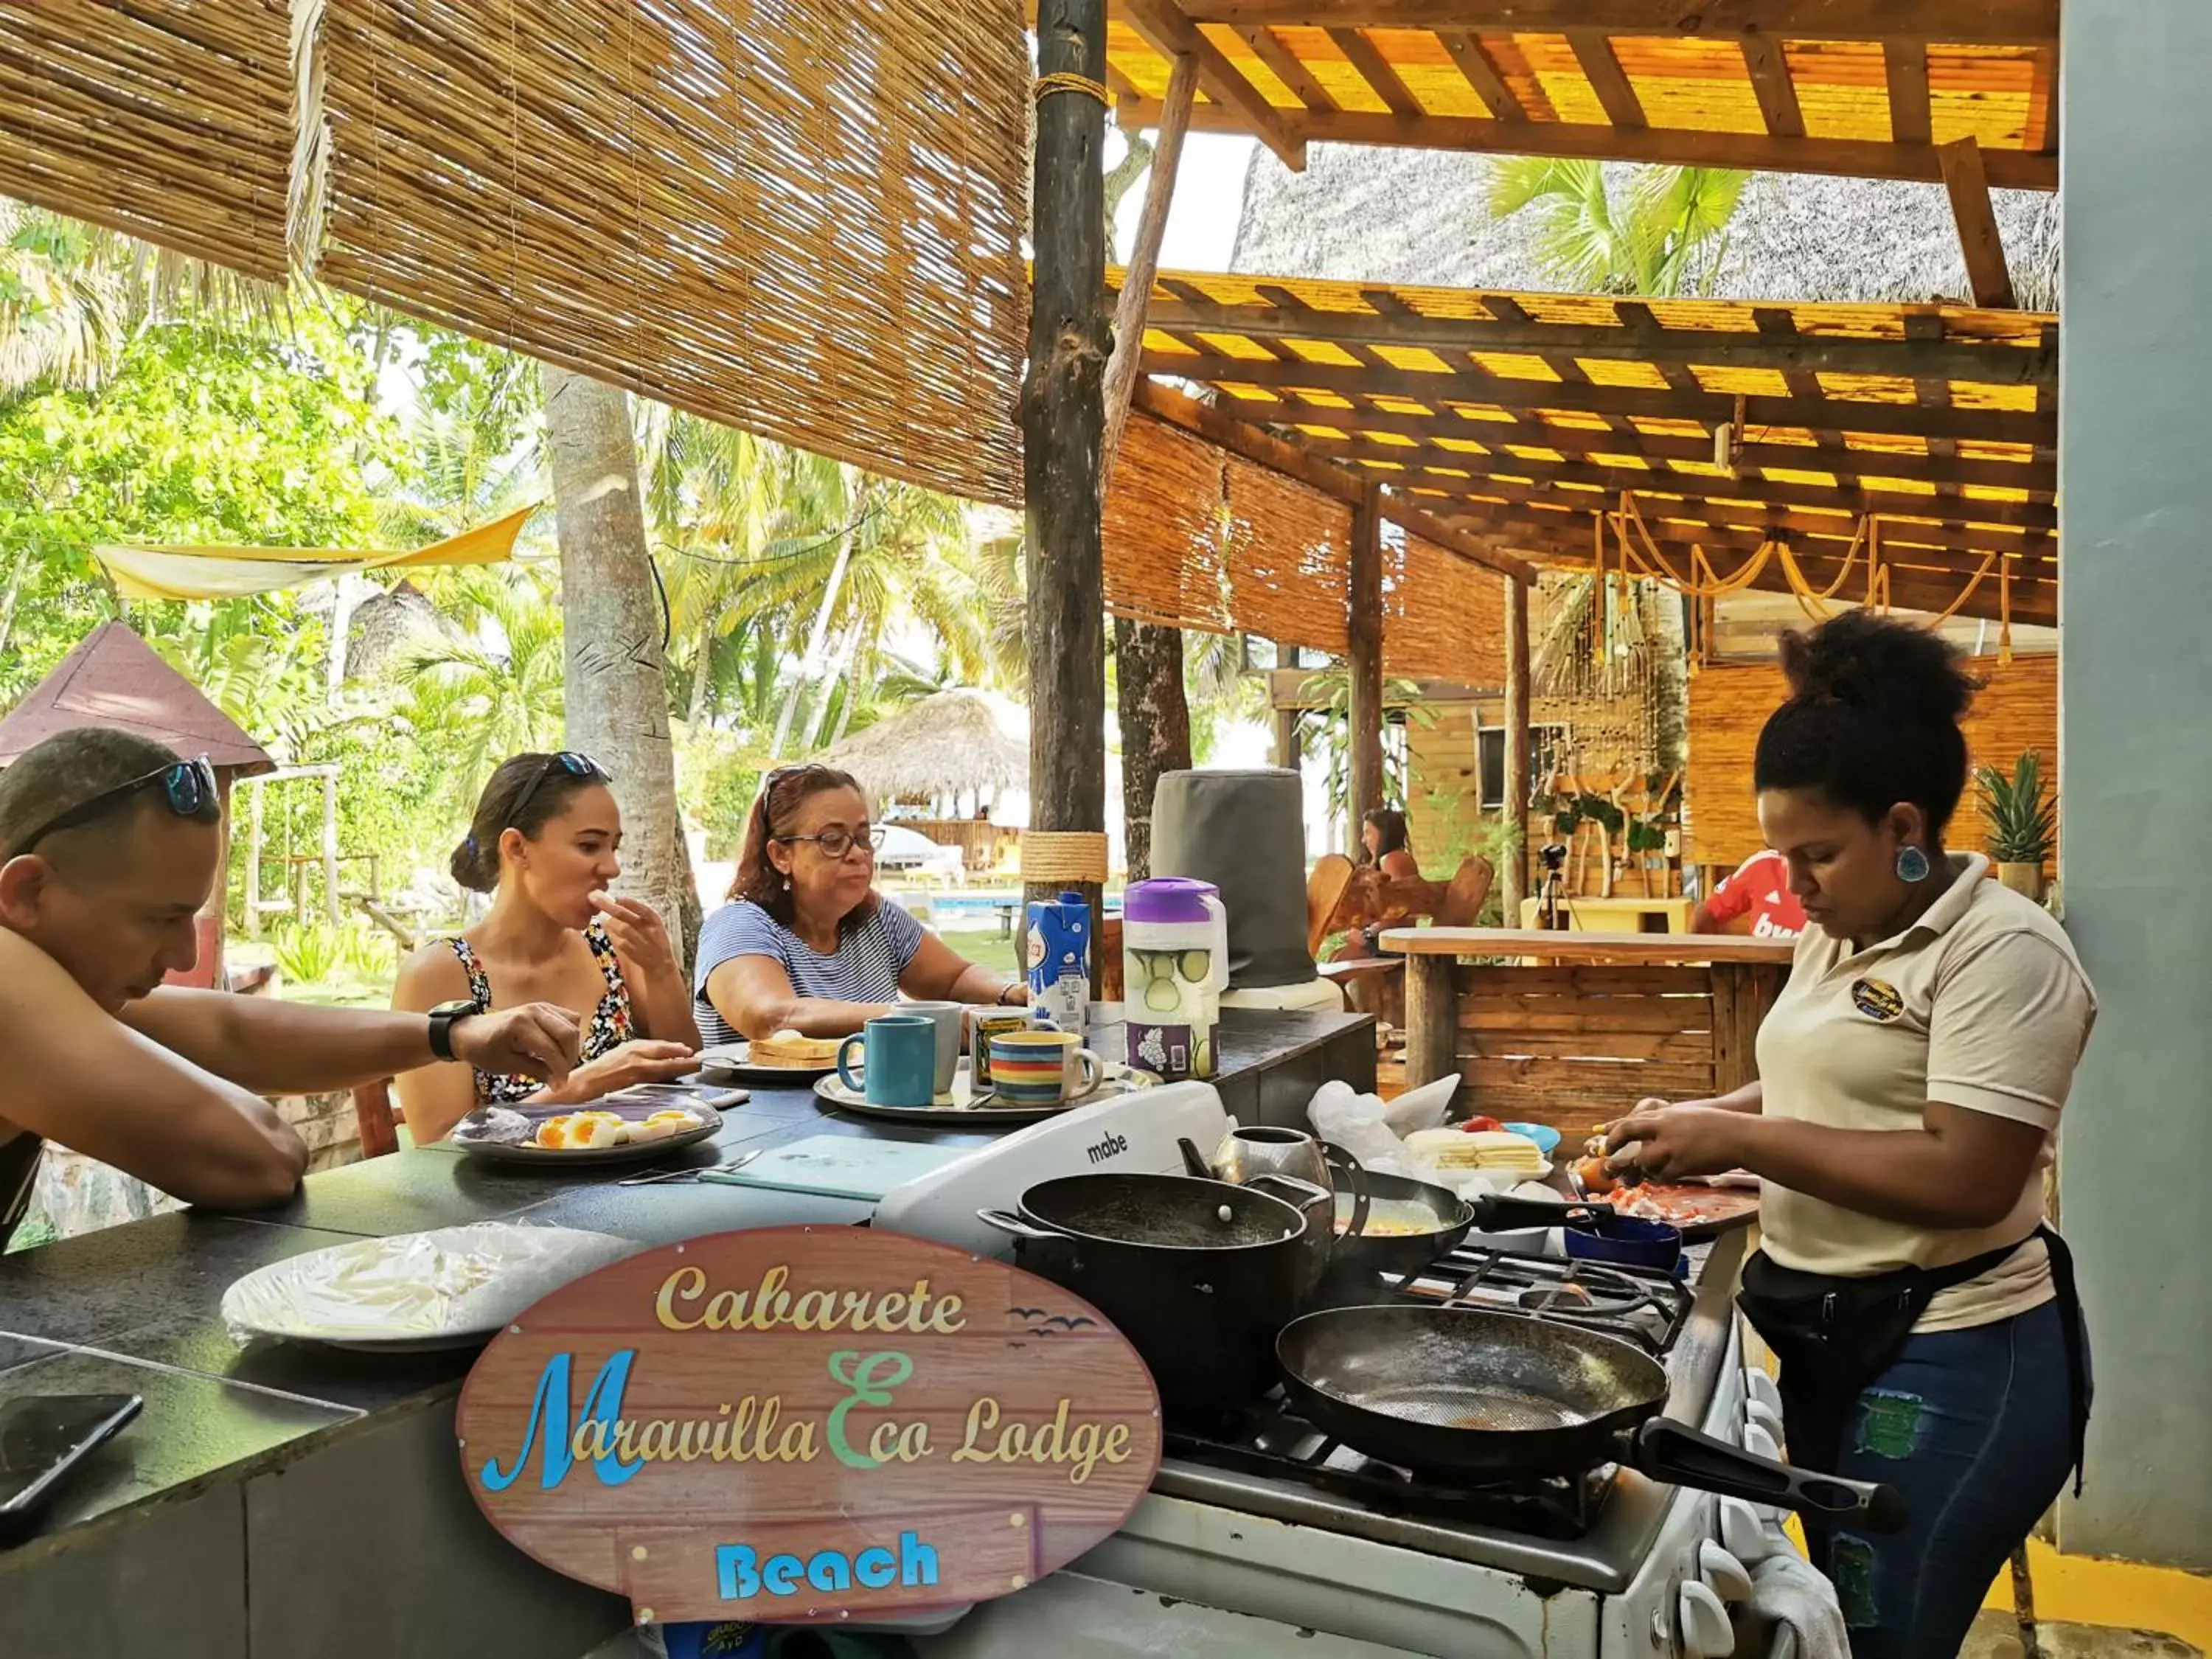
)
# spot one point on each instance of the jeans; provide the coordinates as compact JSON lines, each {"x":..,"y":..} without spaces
{"x":1975,"y":1428}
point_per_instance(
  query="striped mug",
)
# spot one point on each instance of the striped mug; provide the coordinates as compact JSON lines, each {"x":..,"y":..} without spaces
{"x":1041,"y":1069}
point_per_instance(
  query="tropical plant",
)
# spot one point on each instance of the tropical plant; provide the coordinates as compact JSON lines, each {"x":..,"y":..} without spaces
{"x":2021,"y":812}
{"x":1659,"y":231}
{"x":307,"y":953}
{"x":493,"y":692}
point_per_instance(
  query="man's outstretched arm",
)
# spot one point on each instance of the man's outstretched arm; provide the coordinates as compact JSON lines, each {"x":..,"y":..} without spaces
{"x":276,"y":1047}
{"x":83,"y":1081}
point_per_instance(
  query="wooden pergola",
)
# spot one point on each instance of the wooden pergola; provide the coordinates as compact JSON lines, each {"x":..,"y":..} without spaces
{"x":1909,"y":451}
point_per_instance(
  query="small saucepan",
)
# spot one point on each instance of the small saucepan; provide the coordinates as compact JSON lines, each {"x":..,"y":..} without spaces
{"x":1200,"y":1275}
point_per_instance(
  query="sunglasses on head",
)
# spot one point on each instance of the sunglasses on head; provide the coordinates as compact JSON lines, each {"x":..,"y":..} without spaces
{"x":188,"y":788}
{"x":569,"y":760}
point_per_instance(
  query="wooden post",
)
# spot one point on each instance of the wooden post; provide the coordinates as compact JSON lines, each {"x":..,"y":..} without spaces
{"x":1431,"y":1020}
{"x":1062,"y":422}
{"x":254,"y":867}
{"x":330,"y":847}
{"x":1516,"y":750}
{"x":1364,"y":629}
{"x":1145,"y":258}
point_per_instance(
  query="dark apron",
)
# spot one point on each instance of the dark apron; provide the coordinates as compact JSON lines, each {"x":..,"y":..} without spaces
{"x":1835,"y":1337}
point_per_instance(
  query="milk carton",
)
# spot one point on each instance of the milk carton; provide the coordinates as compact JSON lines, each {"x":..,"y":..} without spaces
{"x":1060,"y":961}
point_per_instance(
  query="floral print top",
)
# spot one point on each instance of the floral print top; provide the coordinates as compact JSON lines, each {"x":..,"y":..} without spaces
{"x":609,"y":1026}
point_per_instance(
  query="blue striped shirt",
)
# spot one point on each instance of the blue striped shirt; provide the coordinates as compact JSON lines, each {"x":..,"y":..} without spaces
{"x":865,"y":967}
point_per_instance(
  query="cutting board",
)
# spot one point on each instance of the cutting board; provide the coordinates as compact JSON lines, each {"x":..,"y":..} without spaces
{"x":838,"y":1166}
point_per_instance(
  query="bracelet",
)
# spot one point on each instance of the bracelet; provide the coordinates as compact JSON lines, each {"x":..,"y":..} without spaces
{"x":1020,"y":986}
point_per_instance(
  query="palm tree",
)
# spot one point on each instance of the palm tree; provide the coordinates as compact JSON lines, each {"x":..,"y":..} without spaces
{"x":1661,"y":232}
{"x":497,"y":690}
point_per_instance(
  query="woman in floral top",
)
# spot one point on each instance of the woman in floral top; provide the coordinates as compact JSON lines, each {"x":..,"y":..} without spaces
{"x":544,"y":843}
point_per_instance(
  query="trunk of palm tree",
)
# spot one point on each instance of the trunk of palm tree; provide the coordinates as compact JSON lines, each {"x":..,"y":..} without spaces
{"x":1155,"y":716}
{"x":14,"y":593}
{"x":853,"y":519}
{"x":616,"y":692}
{"x":841,"y":666}
{"x":703,"y":672}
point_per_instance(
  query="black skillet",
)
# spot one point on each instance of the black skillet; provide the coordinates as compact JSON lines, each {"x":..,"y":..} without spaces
{"x":1494,"y":1396}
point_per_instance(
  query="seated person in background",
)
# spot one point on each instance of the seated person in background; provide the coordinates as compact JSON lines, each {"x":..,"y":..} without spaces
{"x":545,"y":843}
{"x":806,"y":944}
{"x":1385,"y":848}
{"x":1756,"y":900}
{"x":109,"y":846}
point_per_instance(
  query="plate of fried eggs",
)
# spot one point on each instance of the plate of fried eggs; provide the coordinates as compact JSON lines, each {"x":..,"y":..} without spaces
{"x":629,"y":1127}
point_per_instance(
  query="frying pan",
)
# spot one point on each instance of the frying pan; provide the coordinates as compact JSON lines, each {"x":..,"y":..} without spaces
{"x":1493,"y":1396}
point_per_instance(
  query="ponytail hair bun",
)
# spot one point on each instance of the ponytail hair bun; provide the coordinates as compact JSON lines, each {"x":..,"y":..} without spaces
{"x":1871,"y":663}
{"x":472,"y":869}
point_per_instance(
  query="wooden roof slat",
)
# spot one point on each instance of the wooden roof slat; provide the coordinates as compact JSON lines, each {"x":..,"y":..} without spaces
{"x":1967,"y":184}
{"x":1480,"y":71}
{"x":1593,"y":51}
{"x":1371,"y":67}
{"x":1770,"y":81}
{"x":1988,"y":364}
{"x":1848,"y":415}
{"x":1289,"y":68}
{"x":1905,"y":67}
{"x":1993,"y":22}
{"x":1169,"y":32}
{"x":1852,"y":158}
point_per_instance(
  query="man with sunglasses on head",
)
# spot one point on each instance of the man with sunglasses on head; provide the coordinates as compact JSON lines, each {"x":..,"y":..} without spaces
{"x":109,"y":846}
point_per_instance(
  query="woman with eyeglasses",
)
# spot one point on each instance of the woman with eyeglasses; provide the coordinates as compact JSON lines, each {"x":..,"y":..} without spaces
{"x":545,"y":843}
{"x":806,"y":944}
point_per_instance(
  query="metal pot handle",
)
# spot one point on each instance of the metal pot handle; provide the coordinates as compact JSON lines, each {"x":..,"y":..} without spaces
{"x":1355,"y":1178}
{"x":1006,"y":1223}
{"x":1672,"y":1452}
{"x":1305,"y":1192}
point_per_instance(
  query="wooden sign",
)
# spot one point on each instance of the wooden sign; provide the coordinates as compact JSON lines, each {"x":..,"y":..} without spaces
{"x":800,"y":1425}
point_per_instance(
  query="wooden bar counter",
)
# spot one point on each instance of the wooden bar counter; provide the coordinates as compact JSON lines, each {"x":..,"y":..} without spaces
{"x":1572,"y":1029}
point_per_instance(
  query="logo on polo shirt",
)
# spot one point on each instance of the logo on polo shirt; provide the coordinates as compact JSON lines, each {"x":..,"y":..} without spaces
{"x":1876,"y":1001}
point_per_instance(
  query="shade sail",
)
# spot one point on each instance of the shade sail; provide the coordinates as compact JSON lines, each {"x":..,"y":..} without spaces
{"x":233,"y":573}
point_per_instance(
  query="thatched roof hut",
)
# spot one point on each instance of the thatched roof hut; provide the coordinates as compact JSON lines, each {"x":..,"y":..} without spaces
{"x":1362,"y":214}
{"x":948,"y":743}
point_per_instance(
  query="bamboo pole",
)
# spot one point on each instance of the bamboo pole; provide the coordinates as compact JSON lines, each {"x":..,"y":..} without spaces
{"x":1121,"y":368}
{"x":1517,"y":749}
{"x":1063,"y":415}
{"x":1365,"y":659}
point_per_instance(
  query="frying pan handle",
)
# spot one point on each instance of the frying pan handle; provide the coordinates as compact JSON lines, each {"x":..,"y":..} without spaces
{"x":1342,"y":1158}
{"x":1497,"y":1212}
{"x":1019,"y":1228}
{"x":1672,"y":1452}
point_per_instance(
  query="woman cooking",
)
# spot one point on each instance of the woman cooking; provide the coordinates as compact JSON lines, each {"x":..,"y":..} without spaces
{"x":1911,"y":1074}
{"x":544,"y":843}
{"x":806,"y":944}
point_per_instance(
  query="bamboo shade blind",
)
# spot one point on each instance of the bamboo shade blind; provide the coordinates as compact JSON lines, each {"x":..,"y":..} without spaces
{"x":798,"y":217}
{"x":1195,"y":537}
{"x":2016,"y":710}
{"x":166,"y":120}
{"x":1443,"y":618}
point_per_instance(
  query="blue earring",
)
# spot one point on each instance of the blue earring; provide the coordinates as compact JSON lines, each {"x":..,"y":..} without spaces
{"x":1912,"y":864}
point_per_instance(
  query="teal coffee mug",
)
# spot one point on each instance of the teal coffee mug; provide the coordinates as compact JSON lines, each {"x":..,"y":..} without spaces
{"x":900,"y":1053}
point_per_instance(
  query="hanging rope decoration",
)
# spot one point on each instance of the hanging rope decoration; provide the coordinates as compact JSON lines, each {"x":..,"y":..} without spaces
{"x":1046,"y":85}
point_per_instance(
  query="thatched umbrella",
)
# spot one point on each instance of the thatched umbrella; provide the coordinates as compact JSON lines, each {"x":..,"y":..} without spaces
{"x":948,"y":743}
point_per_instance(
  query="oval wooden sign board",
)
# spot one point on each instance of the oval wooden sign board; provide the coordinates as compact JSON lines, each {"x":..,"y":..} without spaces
{"x":797,"y":1424}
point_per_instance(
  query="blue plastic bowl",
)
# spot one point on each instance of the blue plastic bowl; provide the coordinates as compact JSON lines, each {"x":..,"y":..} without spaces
{"x":1546,"y":1139}
{"x":1630,"y":1241}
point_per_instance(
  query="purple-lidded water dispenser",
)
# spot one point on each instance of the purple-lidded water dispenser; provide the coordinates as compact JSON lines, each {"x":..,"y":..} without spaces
{"x":1174,"y":966}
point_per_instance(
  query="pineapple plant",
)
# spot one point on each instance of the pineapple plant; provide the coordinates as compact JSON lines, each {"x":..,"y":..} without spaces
{"x":2023,"y":820}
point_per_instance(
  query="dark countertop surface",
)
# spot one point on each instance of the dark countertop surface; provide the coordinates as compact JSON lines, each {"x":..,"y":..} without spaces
{"x":135,"y":1309}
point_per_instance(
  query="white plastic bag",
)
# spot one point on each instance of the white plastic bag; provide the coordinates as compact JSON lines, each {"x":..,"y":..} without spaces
{"x":1355,"y":1122}
{"x":1424,"y":1108}
{"x":415,"y":1288}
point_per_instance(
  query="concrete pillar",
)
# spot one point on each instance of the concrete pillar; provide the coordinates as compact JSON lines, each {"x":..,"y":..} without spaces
{"x":2135,"y":779}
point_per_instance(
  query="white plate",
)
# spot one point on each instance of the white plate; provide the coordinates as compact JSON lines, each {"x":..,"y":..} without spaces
{"x":453,"y":1287}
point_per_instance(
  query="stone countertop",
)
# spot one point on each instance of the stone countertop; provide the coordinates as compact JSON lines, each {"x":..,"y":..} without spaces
{"x":135,"y":1309}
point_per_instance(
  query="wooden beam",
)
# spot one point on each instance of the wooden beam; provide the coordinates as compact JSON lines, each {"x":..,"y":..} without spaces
{"x":1847,"y":158}
{"x":1172,"y":33}
{"x":1287,"y":719}
{"x":1772,"y":85}
{"x":1373,"y":68}
{"x":1593,"y":51}
{"x":1711,"y":409}
{"x":1515,"y":873}
{"x":1363,"y":629}
{"x":1976,"y":23}
{"x":1983,"y":363}
{"x":1437,"y":433}
{"x":1122,"y":372}
{"x":1063,"y":418}
{"x":1904,"y":67}
{"x":1476,"y":64}
{"x":1288,"y":67}
{"x":1967,"y":182}
{"x":1402,"y":510}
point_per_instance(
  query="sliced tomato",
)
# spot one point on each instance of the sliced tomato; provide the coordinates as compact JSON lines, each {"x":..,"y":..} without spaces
{"x":1476,"y":1125}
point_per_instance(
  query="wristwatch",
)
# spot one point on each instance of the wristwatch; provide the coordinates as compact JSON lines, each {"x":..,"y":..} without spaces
{"x":443,"y":1018}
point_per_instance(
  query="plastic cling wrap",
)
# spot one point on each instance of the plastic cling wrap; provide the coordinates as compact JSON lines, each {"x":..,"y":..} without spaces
{"x":417,"y":1288}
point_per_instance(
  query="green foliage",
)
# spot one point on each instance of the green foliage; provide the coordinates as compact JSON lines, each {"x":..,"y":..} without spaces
{"x":2020,"y":811}
{"x":1662,"y":233}
{"x":306,"y":954}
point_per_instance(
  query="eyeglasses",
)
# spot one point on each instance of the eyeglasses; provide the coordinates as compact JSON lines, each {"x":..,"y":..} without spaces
{"x":188,"y":788}
{"x":836,"y":843}
{"x":575,"y":764}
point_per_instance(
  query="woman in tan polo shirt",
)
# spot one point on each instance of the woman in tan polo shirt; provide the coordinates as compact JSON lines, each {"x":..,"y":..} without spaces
{"x":1911,"y":1074}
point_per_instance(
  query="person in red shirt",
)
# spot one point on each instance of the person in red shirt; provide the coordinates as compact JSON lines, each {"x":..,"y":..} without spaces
{"x":1760,"y":890}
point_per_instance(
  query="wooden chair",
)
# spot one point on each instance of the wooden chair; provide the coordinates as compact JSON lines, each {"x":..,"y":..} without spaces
{"x":375,"y":1117}
{"x":1367,"y":899}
